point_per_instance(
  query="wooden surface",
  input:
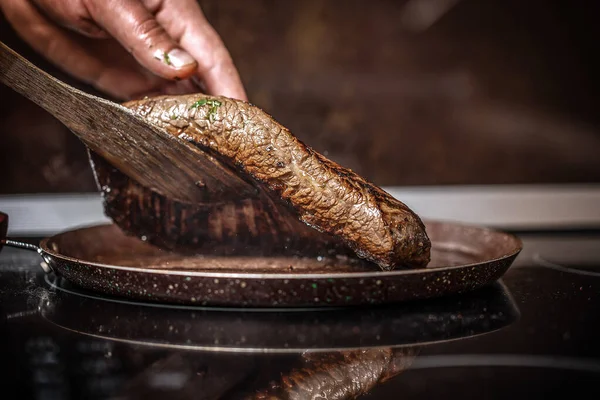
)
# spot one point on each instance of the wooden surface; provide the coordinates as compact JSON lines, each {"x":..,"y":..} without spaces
{"x":147,"y":154}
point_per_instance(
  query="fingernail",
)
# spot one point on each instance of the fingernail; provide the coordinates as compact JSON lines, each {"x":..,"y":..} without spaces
{"x":178,"y":58}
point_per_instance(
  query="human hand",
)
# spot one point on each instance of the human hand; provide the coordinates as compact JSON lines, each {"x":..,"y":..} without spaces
{"x":128,"y":48}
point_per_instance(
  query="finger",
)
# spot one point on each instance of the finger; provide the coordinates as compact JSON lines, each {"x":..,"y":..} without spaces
{"x":119,"y":76}
{"x":172,"y":88}
{"x":130,"y":22}
{"x":185,"y":22}
{"x":72,"y":15}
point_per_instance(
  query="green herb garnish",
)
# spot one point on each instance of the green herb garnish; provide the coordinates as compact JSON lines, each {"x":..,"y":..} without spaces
{"x":166,"y":59}
{"x":174,"y":116}
{"x":212,"y":111}
{"x":199,"y":103}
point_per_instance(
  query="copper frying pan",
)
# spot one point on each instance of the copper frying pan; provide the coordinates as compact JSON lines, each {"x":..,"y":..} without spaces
{"x":103,"y":259}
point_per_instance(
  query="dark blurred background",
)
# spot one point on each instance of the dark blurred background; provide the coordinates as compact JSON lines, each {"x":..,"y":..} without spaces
{"x":418,"y":92}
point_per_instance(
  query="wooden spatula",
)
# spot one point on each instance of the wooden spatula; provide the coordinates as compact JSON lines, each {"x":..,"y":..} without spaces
{"x":146,"y":154}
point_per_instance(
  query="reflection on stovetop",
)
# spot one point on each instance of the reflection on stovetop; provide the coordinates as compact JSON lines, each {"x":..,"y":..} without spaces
{"x":277,"y":331}
{"x":530,"y":335}
{"x":329,"y":353}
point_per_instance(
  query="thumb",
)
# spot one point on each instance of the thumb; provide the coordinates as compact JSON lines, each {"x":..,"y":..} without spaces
{"x":130,"y":23}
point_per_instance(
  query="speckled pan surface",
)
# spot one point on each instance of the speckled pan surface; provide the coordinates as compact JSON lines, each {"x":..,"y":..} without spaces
{"x":101,"y":258}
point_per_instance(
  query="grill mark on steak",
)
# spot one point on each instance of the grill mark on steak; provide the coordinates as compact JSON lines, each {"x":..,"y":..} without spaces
{"x":144,"y":213}
{"x":294,"y":181}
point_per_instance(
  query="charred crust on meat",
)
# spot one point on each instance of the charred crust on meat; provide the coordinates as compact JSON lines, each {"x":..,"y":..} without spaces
{"x":294,"y":183}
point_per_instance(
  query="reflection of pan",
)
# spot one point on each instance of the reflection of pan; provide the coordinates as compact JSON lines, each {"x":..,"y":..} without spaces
{"x":331,"y":353}
{"x":409,"y":324}
{"x":102,"y":258}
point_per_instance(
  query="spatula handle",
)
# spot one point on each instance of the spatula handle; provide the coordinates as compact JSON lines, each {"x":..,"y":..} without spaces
{"x":36,"y":85}
{"x":28,"y":80}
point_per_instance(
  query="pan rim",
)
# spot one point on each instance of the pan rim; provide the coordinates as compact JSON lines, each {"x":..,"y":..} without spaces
{"x":516,"y":249}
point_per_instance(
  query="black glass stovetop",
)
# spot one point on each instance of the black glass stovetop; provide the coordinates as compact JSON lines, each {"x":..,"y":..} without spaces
{"x":532,"y":334}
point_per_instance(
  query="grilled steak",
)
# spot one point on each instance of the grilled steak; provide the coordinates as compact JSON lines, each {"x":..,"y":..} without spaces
{"x":293,"y":181}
